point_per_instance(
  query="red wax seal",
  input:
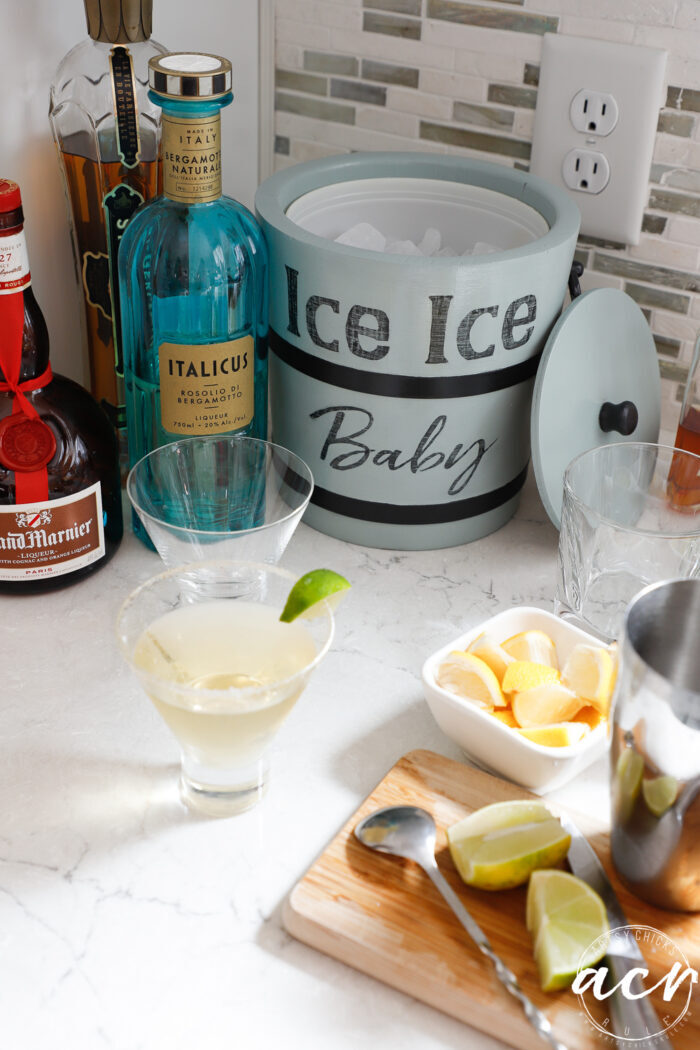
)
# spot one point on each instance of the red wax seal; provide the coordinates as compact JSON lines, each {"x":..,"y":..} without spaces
{"x":25,"y":444}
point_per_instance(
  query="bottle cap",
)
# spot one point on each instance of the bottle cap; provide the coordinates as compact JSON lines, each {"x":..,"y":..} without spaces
{"x":10,"y":196}
{"x":119,"y":21}
{"x":11,"y":214}
{"x":190,"y":75}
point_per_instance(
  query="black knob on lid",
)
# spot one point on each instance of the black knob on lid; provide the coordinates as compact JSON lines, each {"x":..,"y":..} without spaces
{"x":622,"y":418}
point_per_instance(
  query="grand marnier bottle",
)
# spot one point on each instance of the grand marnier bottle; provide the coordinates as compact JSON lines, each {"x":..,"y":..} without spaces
{"x":107,"y":132}
{"x":60,"y":492}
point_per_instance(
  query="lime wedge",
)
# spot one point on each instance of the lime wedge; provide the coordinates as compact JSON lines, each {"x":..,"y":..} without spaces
{"x":627,"y":782}
{"x":316,"y":586}
{"x":659,"y":794}
{"x":499,"y":846}
{"x":569,"y":926}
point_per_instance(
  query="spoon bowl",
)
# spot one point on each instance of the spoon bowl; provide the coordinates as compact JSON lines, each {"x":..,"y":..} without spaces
{"x":403,"y":831}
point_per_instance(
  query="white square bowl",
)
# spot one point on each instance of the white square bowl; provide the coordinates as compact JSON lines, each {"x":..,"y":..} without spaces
{"x":493,"y":745}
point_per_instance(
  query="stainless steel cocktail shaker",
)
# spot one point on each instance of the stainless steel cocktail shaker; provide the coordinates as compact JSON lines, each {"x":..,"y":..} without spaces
{"x":655,"y":756}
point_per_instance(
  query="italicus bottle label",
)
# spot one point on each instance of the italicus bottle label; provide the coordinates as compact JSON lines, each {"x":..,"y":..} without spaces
{"x":191,"y":149}
{"x":206,"y":388}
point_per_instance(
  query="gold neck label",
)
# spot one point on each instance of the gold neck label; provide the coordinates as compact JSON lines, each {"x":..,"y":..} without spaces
{"x":192,"y":158}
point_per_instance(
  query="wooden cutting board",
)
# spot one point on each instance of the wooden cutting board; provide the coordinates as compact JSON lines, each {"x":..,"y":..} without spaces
{"x":382,"y":916}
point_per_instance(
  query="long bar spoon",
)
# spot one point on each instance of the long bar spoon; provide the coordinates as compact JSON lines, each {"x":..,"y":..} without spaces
{"x":409,"y":832}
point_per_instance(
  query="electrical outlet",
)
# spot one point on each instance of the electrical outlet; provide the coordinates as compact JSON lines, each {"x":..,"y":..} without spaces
{"x":598,"y":104}
{"x":593,"y":112}
{"x":586,"y":170}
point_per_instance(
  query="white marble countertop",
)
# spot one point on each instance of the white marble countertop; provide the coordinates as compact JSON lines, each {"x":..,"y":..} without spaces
{"x":128,"y":923}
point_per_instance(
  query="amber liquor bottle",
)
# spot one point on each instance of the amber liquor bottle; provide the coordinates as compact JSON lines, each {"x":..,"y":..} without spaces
{"x":684,"y":475}
{"x":60,"y":492}
{"x":107,"y":132}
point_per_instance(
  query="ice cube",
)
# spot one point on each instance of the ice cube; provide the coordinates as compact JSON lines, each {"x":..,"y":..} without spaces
{"x":431,"y":242}
{"x":402,"y":248}
{"x":363,"y":235}
{"x":481,"y":248}
{"x":445,"y":251}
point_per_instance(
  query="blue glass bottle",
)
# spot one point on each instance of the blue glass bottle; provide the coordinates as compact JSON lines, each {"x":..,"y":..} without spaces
{"x":193,"y":278}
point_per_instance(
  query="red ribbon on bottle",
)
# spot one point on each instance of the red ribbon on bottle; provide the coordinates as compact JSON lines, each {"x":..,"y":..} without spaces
{"x":31,"y":482}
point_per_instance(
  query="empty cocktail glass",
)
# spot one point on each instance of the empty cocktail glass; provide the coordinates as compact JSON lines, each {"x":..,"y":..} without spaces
{"x":221,"y":669}
{"x":219,"y":497}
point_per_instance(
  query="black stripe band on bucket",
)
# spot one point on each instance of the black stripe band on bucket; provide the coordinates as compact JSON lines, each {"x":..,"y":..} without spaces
{"x":417,"y":514}
{"x":385,"y":384}
{"x":288,"y":475}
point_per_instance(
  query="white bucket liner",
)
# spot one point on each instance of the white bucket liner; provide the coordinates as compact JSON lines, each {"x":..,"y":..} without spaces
{"x":404,"y":209}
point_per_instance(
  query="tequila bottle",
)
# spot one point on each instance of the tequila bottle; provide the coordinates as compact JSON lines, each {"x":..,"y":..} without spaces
{"x":107,"y":133}
{"x":193,"y":278}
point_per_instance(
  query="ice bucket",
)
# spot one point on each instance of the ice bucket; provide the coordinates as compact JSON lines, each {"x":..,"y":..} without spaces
{"x":405,"y":382}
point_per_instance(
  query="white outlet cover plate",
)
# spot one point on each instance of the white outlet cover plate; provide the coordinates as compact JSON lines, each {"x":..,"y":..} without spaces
{"x":634,"y":76}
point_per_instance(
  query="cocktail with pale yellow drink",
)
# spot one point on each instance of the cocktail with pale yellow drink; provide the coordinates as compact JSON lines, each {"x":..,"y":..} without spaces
{"x":223,"y":669}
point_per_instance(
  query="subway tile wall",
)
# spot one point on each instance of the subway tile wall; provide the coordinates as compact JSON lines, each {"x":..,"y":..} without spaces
{"x":456,"y":76}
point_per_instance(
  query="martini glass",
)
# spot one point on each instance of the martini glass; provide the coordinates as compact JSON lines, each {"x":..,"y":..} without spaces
{"x":219,"y":497}
{"x":208,"y":647}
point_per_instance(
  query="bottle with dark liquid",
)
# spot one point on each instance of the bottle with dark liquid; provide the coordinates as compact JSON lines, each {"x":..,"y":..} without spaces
{"x":107,"y":133}
{"x":684,"y":475}
{"x":60,"y":491}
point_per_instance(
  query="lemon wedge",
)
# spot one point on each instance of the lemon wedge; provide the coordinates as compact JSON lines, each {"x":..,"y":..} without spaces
{"x":569,"y":926}
{"x":488,"y":650}
{"x":535,"y":646}
{"x":471,"y":678}
{"x":590,"y":672}
{"x":524,"y":674}
{"x":545,"y":704}
{"x":563,"y":734}
{"x":589,"y":716}
{"x":506,"y":716}
{"x":499,"y":846}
